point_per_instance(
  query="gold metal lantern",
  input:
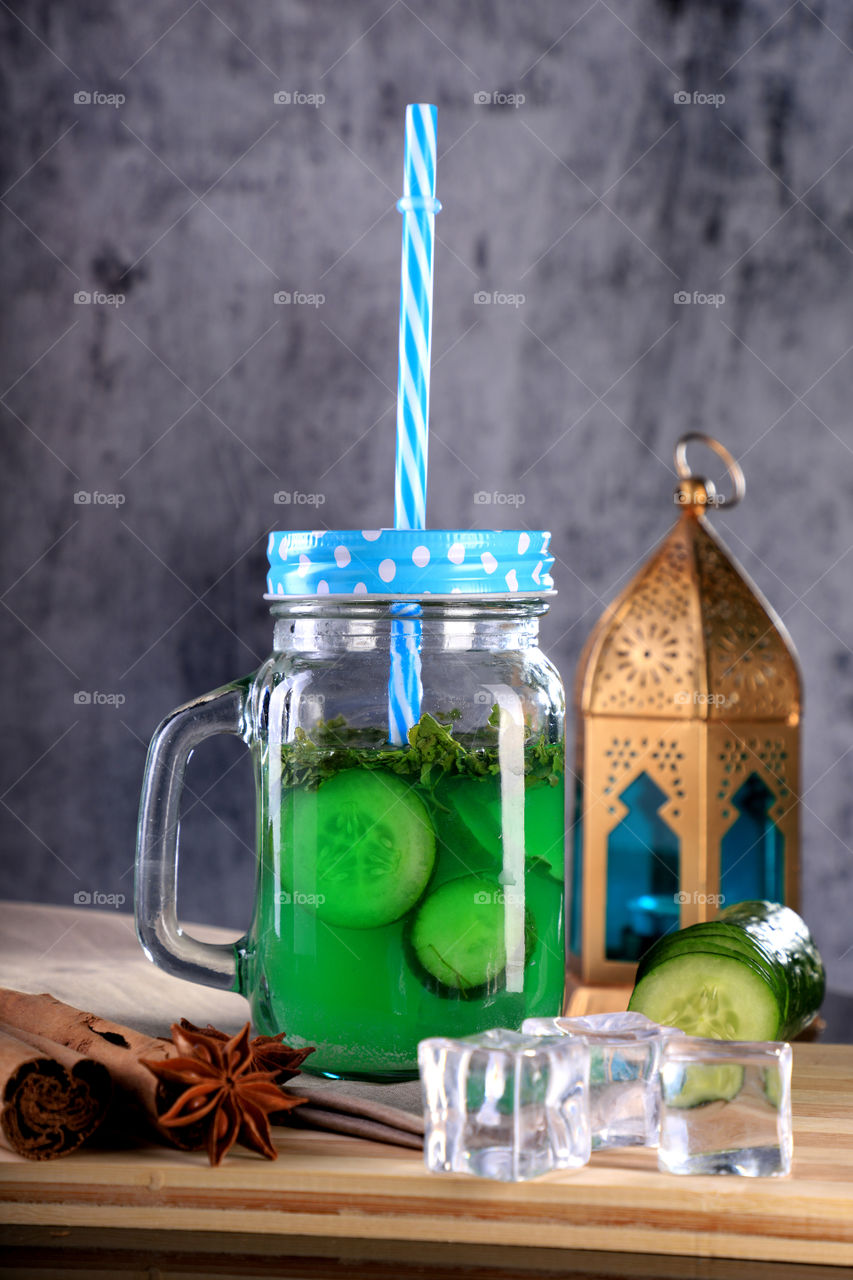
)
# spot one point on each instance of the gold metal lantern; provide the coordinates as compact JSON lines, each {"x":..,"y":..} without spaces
{"x":688,"y":702}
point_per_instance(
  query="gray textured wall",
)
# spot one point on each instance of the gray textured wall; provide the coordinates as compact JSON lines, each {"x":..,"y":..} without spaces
{"x":198,"y":399}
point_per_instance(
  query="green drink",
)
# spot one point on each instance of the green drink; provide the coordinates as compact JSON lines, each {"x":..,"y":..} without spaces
{"x":386,"y":913}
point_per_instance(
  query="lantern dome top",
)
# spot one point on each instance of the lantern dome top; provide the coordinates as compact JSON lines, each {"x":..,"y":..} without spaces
{"x":690,"y":637}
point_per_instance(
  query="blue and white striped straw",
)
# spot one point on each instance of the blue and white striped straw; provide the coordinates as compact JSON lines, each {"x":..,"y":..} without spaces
{"x":418,"y":207}
{"x":405,"y":685}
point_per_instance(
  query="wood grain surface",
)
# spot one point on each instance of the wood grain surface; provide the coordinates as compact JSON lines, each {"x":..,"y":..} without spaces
{"x":334,"y":1187}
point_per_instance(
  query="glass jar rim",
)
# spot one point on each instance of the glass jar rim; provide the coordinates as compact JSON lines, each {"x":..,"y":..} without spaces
{"x":437,"y":597}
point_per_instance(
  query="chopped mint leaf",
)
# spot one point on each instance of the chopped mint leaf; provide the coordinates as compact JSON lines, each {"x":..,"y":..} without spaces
{"x":433,"y":753}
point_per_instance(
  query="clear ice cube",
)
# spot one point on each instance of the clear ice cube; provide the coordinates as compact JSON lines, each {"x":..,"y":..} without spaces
{"x":504,"y":1105}
{"x":624,"y":1092}
{"x":725,"y":1107}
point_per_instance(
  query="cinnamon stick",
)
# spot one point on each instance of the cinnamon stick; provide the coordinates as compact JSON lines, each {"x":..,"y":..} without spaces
{"x":42,"y":1020}
{"x":51,"y":1099}
{"x":115,"y":1047}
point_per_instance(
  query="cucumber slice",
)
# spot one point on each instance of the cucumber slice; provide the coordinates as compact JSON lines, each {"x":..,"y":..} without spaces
{"x":688,"y":942}
{"x":458,"y":933}
{"x":359,"y":850}
{"x":771,"y":943}
{"x":479,"y":808}
{"x":703,"y":994}
{"x":716,"y":933}
{"x":699,"y":1083}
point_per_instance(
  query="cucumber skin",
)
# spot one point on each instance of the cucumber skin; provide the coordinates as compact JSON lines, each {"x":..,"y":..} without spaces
{"x":779,"y":942}
{"x":783,"y":938}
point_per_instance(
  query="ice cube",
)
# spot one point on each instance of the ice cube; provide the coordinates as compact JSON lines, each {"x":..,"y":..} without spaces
{"x":594,"y":1024}
{"x":504,"y":1105}
{"x":624,"y":1088}
{"x":725,"y":1107}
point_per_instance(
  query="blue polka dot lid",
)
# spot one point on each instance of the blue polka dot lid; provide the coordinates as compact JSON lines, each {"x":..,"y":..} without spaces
{"x":409,"y":562}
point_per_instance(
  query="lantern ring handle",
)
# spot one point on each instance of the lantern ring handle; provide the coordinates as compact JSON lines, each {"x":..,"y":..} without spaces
{"x":732,"y":465}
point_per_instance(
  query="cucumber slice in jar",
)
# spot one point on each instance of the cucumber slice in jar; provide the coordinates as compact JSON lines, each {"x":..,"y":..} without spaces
{"x":358,"y":851}
{"x":458,"y":934}
{"x":479,"y":808}
{"x":722,"y":997}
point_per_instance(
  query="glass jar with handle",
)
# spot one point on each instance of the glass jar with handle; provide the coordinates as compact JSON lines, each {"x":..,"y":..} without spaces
{"x":408,"y":740}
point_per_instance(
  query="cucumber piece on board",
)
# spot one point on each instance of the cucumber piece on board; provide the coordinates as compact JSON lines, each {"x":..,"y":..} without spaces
{"x":722,"y":997}
{"x":752,"y":974}
{"x":713,"y":944}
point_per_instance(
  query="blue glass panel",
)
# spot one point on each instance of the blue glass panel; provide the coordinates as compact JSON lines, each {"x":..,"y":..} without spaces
{"x":642,"y":874}
{"x":752,"y":854}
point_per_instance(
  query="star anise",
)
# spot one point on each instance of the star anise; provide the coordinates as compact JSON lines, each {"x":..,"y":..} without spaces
{"x":220,"y":1085}
{"x":269,"y":1053}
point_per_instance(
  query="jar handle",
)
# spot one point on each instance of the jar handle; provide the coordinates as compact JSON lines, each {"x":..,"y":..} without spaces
{"x":162,"y":939}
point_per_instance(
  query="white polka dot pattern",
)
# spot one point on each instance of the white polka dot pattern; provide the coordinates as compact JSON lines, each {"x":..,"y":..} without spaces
{"x":409,"y":562}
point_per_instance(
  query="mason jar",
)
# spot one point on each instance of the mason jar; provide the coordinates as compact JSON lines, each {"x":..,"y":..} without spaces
{"x":408,"y":739}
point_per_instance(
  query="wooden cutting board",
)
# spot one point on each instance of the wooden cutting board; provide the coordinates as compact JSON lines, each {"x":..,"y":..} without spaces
{"x":327,"y":1186}
{"x":339,"y":1187}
